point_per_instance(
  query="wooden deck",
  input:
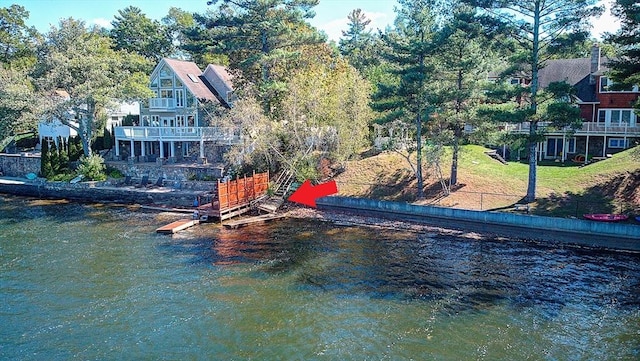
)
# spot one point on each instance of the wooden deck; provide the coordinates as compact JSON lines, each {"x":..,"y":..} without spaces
{"x":177,"y":226}
{"x":251,"y":220}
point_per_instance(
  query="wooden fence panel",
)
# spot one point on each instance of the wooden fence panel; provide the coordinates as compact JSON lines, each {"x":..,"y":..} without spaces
{"x":242,"y":191}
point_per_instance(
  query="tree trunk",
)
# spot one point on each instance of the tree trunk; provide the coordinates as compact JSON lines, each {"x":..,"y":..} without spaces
{"x":532,"y":142}
{"x":419,"y":156}
{"x":454,"y":160}
{"x":533,"y":162}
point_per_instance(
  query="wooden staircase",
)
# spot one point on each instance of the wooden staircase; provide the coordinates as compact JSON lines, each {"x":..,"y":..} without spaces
{"x":281,"y":187}
{"x":494,"y":154}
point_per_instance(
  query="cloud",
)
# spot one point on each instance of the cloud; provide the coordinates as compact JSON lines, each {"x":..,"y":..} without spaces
{"x":334,"y":28}
{"x":606,"y":23}
{"x":102,"y":23}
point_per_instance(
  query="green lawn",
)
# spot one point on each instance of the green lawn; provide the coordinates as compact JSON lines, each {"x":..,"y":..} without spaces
{"x":564,"y":190}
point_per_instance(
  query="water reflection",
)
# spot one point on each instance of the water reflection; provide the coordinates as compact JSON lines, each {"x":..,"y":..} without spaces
{"x":460,"y":274}
{"x":91,"y":282}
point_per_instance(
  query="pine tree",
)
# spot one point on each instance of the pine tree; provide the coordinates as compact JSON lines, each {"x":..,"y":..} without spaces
{"x":358,"y":44}
{"x":262,"y":39}
{"x":625,"y":69}
{"x":63,"y":155}
{"x":462,"y":63}
{"x":54,"y":159}
{"x":406,"y":100}
{"x":45,"y":160}
{"x":534,"y":26}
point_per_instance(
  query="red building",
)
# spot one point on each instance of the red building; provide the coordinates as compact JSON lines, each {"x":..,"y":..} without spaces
{"x":609,"y":122}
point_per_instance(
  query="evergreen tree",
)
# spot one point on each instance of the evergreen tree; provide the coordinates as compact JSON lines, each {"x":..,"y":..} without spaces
{"x":462,"y":63}
{"x":535,"y":26}
{"x":54,"y":159}
{"x":358,"y":44}
{"x":261,"y":39}
{"x":406,"y":100}
{"x":63,"y":156}
{"x":107,"y":139}
{"x":19,"y":104}
{"x":83,"y":63}
{"x":45,"y":160}
{"x":135,"y":32}
{"x":75,"y":149}
{"x":17,"y":40}
{"x":625,"y":69}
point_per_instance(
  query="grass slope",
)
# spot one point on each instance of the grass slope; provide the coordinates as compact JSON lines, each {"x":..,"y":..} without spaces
{"x":611,"y":185}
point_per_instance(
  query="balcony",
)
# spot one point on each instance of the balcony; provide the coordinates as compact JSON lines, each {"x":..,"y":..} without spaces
{"x":588,"y":128}
{"x":219,"y":135}
{"x":160,"y":104}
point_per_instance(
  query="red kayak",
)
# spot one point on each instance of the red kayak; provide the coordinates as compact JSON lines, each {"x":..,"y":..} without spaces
{"x":606,"y":217}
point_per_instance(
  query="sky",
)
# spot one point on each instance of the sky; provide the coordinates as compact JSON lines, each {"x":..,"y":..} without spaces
{"x":331,"y":15}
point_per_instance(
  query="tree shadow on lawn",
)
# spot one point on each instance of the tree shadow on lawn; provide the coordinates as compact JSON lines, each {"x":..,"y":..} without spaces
{"x":402,"y":186}
{"x":397,"y":186}
{"x":620,"y":194}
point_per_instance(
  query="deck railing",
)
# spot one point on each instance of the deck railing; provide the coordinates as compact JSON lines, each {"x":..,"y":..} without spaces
{"x":161,"y":103}
{"x":225,"y":135}
{"x":588,"y":128}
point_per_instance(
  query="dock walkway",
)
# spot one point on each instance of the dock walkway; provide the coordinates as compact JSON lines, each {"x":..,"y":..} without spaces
{"x":177,"y":226}
{"x":251,"y":220}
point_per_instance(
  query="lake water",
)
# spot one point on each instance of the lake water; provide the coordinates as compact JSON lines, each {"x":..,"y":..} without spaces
{"x":92,"y":282}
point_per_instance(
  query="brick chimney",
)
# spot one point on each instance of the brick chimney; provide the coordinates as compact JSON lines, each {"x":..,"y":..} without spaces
{"x":595,"y":58}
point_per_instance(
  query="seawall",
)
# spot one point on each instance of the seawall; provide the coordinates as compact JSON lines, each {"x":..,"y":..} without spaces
{"x":619,"y":236}
{"x":99,"y":192}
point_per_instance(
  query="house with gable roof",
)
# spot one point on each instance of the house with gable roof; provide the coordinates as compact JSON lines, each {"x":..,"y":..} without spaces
{"x":609,"y":122}
{"x":179,"y":122}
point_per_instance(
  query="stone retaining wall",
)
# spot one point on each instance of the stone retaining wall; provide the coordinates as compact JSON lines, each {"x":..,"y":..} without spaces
{"x":176,"y":172}
{"x":99,"y":192}
{"x":622,"y":236}
{"x":18,"y":165}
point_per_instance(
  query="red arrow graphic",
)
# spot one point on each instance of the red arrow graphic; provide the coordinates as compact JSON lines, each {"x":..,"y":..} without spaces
{"x":307,"y":194}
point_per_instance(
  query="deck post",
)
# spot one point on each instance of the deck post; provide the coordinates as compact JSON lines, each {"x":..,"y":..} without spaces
{"x":586,"y":151}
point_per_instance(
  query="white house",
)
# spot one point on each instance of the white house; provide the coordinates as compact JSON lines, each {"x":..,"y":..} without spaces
{"x":181,"y":118}
{"x":54,"y":130}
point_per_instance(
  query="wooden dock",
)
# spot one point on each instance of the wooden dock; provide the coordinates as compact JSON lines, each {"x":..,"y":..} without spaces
{"x":251,"y":220}
{"x":177,"y":226}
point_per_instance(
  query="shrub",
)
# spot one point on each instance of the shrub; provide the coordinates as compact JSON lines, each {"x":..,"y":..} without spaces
{"x":92,"y":168}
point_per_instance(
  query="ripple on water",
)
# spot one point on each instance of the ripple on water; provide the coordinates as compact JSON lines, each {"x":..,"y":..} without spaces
{"x":93,"y":282}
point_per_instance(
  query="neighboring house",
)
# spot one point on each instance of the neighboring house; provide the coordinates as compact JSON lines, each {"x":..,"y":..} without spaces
{"x":53,"y":130}
{"x":609,"y":122}
{"x":177,"y":123}
{"x":116,"y":116}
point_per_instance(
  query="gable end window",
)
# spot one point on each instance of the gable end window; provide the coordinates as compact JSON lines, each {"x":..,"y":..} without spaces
{"x":605,"y":83}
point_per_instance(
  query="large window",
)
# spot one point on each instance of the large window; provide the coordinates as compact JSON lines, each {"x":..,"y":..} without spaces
{"x":555,"y":146}
{"x":617,"y":117}
{"x":179,"y":98}
{"x":165,"y":93}
{"x":617,"y":143}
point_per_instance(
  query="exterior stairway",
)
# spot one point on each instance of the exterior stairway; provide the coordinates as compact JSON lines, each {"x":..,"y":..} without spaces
{"x":281,"y":187}
{"x":494,"y":154}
